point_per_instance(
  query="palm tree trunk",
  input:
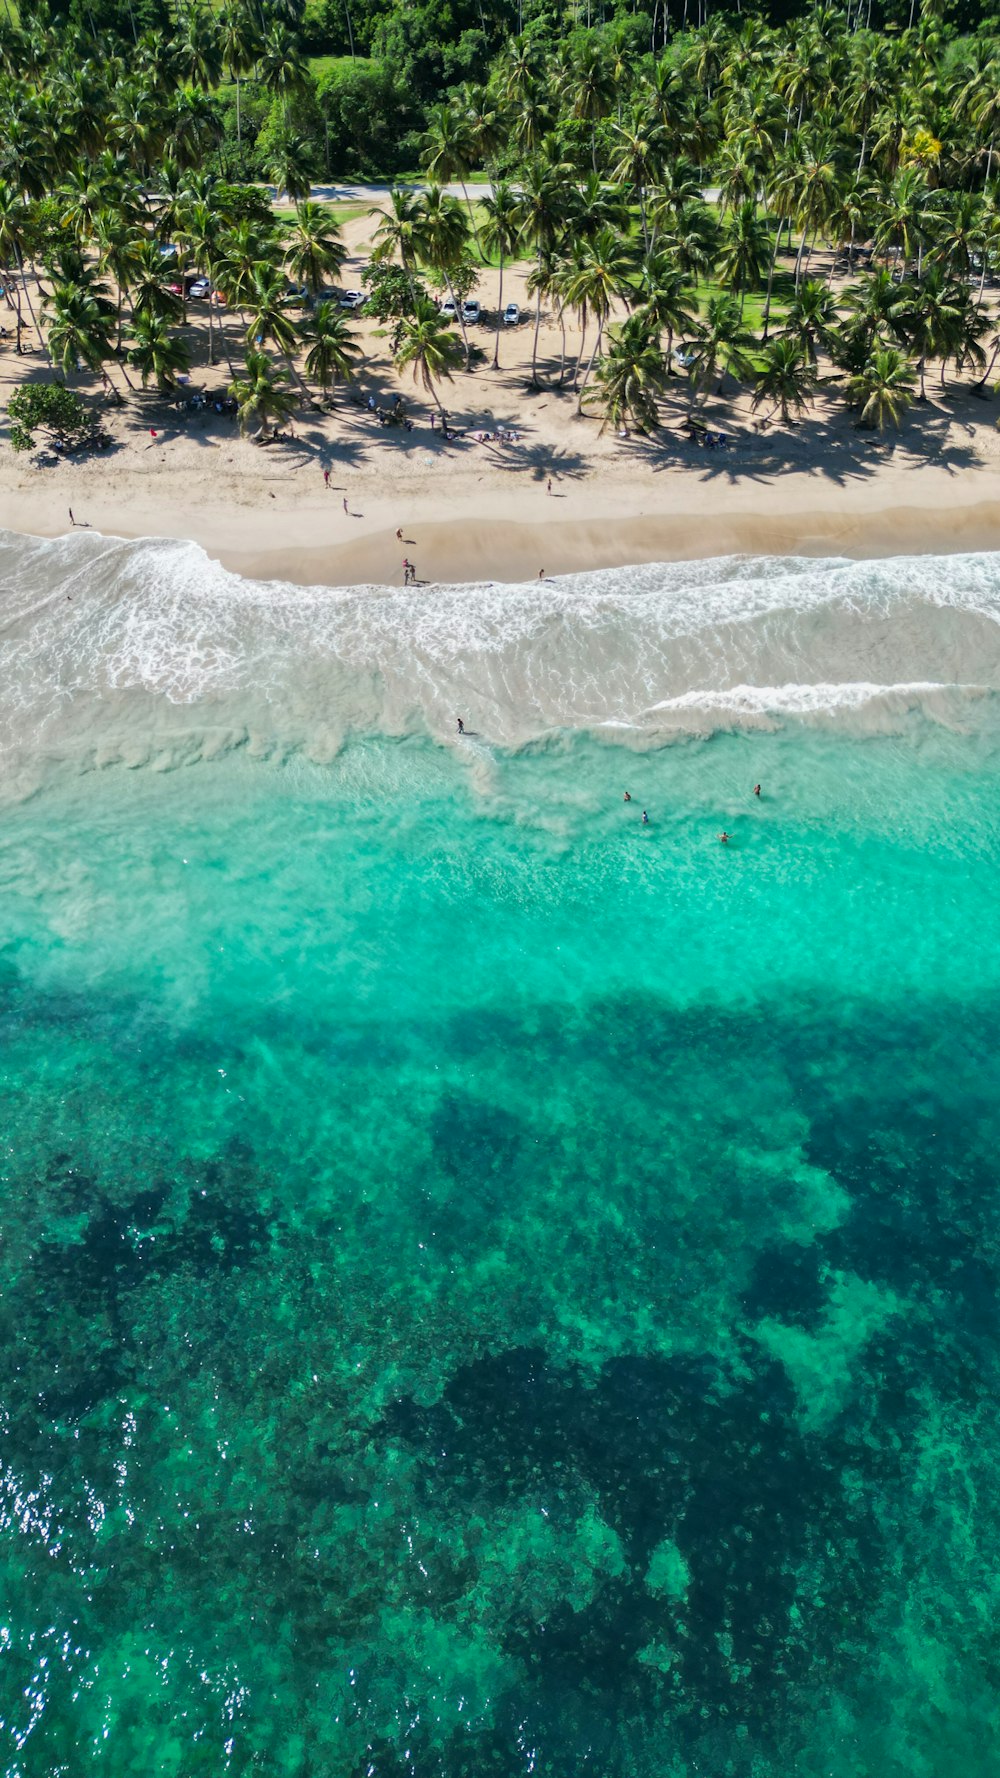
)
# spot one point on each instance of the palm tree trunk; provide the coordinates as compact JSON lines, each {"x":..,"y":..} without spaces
{"x":31,"y":306}
{"x":984,"y":379}
{"x":583,"y":342}
{"x":798,"y":261}
{"x":224,"y":342}
{"x":538,"y":323}
{"x":496,"y":343}
{"x":590,"y":366}
{"x":472,"y":219}
{"x":461,"y":319}
{"x":770,"y":277}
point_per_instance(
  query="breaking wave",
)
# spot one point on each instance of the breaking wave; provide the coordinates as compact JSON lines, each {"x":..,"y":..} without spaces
{"x":150,"y":653}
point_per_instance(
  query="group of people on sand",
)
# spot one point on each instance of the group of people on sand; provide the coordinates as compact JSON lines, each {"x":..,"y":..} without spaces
{"x":724,"y":837}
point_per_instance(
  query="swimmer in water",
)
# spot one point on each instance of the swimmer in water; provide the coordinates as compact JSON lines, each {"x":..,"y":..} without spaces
{"x":645,"y":819}
{"x":627,"y":798}
{"x":723,"y":838}
{"x":756,"y":790}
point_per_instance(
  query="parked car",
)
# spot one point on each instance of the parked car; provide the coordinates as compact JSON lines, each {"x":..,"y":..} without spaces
{"x":471,"y":312}
{"x":352,"y":299}
{"x":512,"y":315}
{"x":683,"y":358}
{"x":448,"y":310}
{"x":199,"y":288}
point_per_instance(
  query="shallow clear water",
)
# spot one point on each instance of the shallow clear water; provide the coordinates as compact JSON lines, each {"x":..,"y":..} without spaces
{"x":488,"y":1287}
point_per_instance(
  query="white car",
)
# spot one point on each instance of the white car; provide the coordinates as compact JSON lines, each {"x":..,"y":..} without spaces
{"x":199,"y":288}
{"x":512,"y":315}
{"x":471,"y":312}
{"x":447,"y":309}
{"x":684,"y":358}
{"x":352,"y":299}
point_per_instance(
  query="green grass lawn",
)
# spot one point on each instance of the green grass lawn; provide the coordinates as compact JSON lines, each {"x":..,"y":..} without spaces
{"x":320,"y":65}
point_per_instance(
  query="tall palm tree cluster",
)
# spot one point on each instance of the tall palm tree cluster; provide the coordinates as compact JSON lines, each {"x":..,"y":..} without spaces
{"x":666,"y":199}
{"x":781,"y":207}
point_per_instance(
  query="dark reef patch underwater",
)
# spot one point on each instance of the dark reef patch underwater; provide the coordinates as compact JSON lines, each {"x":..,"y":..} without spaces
{"x":487,"y":1288}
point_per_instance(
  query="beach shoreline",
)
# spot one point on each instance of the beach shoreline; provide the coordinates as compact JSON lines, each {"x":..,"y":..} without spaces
{"x":491,"y":534}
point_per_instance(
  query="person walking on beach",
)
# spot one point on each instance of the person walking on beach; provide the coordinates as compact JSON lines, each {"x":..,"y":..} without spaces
{"x":345,"y":504}
{"x":399,"y":535}
{"x":461,"y":725}
{"x":548,"y":486}
{"x":326,"y":478}
{"x":71,"y":518}
{"x":409,"y":572}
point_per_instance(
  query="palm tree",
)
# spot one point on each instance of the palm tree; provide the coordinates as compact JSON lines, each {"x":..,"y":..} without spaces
{"x":265,"y":295}
{"x":807,"y":183}
{"x":332,"y":347}
{"x":314,"y":248}
{"x":786,"y":377}
{"x":198,"y":49}
{"x":399,"y":231}
{"x":13,"y":244}
{"x":243,"y":249}
{"x":666,"y":301}
{"x":263,"y":394}
{"x":590,"y":88}
{"x":597,"y":277}
{"x":157,"y":352}
{"x":79,"y":326}
{"x":118,"y":243}
{"x":873,"y":304}
{"x":542,"y":211}
{"x":692,"y":239}
{"x":239,"y":43}
{"x":746,"y":244}
{"x":281,"y":65}
{"x":933,"y":317}
{"x":290,"y":167}
{"x":883,"y":389}
{"x":148,"y":291}
{"x":203,"y":233}
{"x":811,"y":319}
{"x":426,"y":344}
{"x":447,"y":153}
{"x":442,"y":236}
{"x":722,"y":346}
{"x":631,"y":377}
{"x":903,"y":215}
{"x":642,"y":150}
{"x":501,"y":232}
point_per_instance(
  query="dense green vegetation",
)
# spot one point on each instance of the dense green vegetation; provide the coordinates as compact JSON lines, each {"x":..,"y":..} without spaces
{"x":678,"y":185}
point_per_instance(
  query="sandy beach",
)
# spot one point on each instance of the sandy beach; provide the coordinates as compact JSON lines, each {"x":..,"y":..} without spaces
{"x":466,"y":516}
{"x":474,"y":510}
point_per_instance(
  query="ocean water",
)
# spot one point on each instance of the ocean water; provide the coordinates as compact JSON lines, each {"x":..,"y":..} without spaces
{"x":487,"y":1286}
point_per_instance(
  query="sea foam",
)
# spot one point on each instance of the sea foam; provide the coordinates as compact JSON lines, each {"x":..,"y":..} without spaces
{"x":149,"y":652}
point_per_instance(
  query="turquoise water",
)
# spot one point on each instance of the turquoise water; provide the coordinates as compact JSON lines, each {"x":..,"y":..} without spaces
{"x":486,"y":1286}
